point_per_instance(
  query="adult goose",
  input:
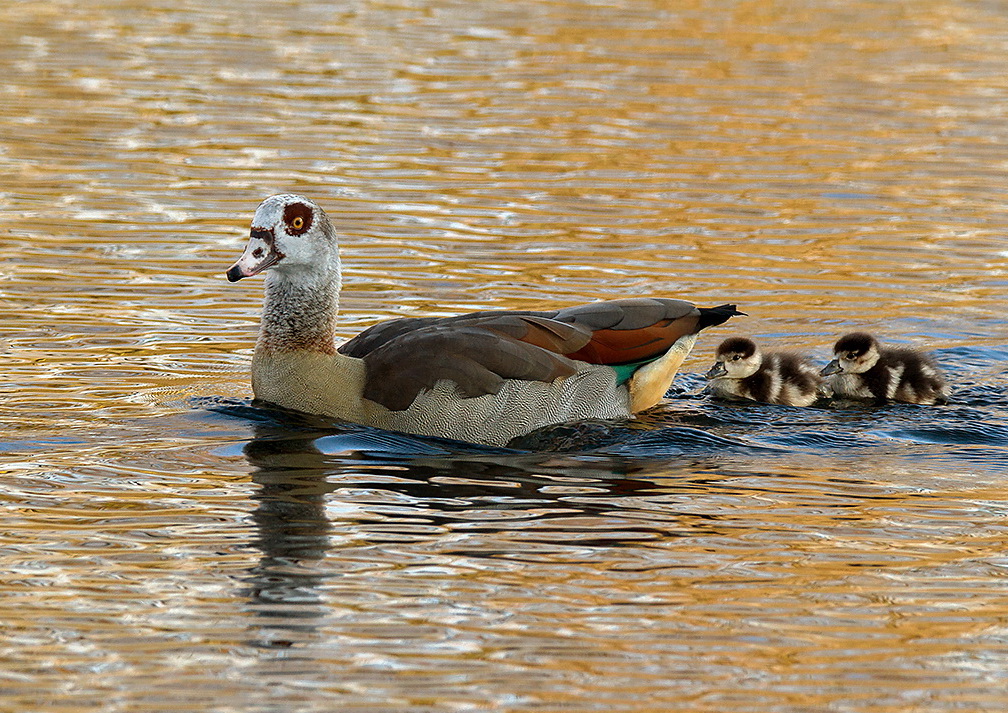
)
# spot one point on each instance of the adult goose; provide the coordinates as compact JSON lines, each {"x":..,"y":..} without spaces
{"x":485,"y":377}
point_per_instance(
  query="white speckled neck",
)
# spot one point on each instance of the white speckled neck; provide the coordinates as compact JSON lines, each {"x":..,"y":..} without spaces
{"x":300,"y":310}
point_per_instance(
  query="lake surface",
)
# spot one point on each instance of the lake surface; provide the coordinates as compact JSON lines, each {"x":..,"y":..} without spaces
{"x":169,"y":546}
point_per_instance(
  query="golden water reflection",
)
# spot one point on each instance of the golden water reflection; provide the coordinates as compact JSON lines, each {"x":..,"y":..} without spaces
{"x":827,"y":166}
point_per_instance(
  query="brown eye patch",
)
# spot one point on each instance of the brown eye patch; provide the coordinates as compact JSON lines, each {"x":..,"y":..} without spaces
{"x":298,"y":218}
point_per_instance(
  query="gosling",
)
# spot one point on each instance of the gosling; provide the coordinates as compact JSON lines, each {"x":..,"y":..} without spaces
{"x":864,"y":369}
{"x":742,"y":372}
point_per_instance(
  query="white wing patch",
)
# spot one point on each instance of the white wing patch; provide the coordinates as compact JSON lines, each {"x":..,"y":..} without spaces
{"x":895,"y":376}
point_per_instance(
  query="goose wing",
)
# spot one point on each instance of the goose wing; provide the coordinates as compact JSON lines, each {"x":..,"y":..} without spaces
{"x":479,"y":351}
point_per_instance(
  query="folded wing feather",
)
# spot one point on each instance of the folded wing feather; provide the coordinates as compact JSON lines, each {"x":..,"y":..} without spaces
{"x":478,"y":351}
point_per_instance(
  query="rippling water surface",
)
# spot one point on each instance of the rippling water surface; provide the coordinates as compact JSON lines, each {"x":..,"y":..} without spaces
{"x":169,"y":546}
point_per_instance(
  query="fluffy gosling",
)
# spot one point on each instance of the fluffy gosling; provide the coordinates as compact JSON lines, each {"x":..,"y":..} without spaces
{"x":864,"y":369}
{"x":743,"y":372}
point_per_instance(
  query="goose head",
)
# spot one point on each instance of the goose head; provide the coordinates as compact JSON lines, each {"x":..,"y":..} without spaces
{"x":736,"y":358}
{"x":853,"y":353}
{"x":290,"y":235}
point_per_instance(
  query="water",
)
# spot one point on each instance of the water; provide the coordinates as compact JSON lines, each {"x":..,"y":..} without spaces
{"x":169,"y":546}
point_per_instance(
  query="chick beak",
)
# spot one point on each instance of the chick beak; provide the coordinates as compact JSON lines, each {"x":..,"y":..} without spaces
{"x":715,"y":371}
{"x":832,"y":368}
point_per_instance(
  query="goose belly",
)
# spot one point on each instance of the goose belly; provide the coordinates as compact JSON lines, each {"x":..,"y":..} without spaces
{"x":519,"y":408}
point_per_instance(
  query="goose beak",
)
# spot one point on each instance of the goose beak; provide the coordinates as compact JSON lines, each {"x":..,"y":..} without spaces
{"x":832,"y":368}
{"x":260,"y":254}
{"x":715,"y":371}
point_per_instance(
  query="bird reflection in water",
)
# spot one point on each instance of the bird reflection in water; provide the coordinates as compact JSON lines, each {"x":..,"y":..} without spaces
{"x":298,"y":461}
{"x":293,"y":536}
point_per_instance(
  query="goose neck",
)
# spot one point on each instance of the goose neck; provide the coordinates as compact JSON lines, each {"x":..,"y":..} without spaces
{"x":299,"y":315}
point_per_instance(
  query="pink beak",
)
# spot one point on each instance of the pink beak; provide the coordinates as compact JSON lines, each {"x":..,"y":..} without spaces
{"x":260,"y":254}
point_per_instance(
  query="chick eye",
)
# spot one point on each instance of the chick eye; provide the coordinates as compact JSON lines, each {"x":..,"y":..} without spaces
{"x":297,"y":223}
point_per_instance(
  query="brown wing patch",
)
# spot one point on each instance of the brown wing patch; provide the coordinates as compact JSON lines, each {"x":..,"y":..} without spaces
{"x":476,"y":359}
{"x":622,"y":346}
{"x":631,"y":330}
{"x":539,"y":331}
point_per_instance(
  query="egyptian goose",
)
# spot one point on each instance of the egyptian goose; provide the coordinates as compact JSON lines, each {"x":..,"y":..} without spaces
{"x":864,"y":369}
{"x":485,"y":377}
{"x":742,"y":372}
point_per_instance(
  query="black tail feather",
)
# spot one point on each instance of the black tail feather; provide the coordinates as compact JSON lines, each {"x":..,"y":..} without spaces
{"x":713,"y":316}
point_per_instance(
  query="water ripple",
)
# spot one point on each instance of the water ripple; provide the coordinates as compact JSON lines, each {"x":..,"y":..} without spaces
{"x":828,"y":166}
